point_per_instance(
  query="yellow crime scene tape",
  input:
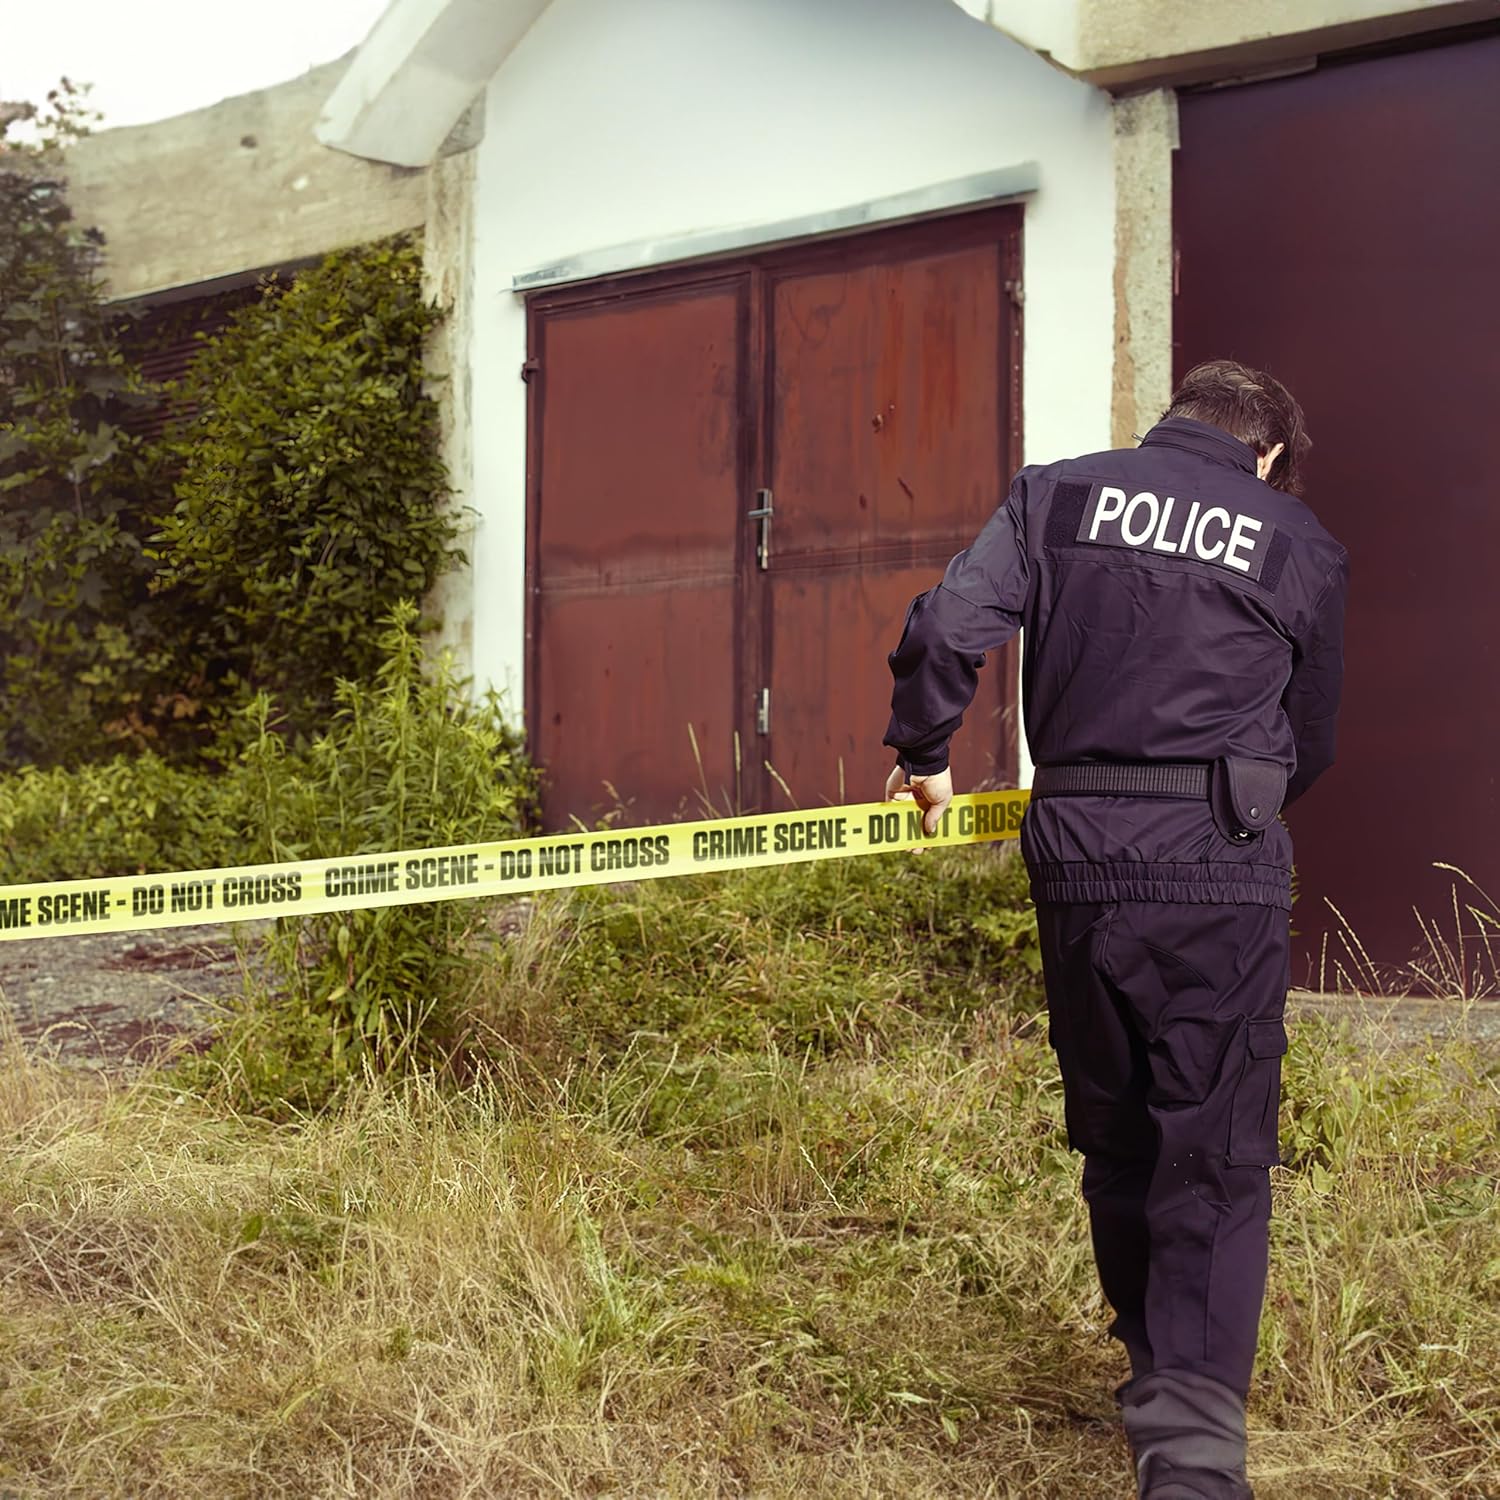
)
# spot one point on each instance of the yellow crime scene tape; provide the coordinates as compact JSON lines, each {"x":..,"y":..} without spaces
{"x":183,"y":898}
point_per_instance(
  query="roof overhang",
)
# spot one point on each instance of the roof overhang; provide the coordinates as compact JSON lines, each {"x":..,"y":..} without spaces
{"x":425,"y":61}
{"x":420,"y":68}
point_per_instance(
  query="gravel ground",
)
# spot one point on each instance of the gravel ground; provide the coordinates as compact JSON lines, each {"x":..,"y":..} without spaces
{"x":1408,"y":1021}
{"x":116,"y":1001}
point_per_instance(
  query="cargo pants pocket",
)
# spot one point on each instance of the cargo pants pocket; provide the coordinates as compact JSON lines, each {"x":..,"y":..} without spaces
{"x":1255,"y":1111}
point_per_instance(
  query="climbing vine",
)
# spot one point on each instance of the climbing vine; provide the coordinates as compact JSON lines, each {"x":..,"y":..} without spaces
{"x":312,"y":493}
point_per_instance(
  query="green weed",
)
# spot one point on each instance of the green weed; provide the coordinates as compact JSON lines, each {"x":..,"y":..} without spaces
{"x":407,"y":763}
{"x":858,"y":954}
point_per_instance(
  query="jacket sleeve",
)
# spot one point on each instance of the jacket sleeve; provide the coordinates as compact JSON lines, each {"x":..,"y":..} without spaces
{"x":1311,"y":699}
{"x":976,"y":608}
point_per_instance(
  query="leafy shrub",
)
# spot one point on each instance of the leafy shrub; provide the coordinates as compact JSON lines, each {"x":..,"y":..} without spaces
{"x":75,"y":616}
{"x":312,"y":492}
{"x":122,"y":817}
{"x":407,"y":762}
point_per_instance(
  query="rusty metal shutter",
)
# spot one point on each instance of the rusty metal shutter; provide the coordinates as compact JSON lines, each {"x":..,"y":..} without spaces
{"x":864,"y":392}
{"x":892,"y":440}
{"x":161,"y":341}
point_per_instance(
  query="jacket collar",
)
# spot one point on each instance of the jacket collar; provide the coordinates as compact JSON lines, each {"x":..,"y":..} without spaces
{"x":1212,"y":443}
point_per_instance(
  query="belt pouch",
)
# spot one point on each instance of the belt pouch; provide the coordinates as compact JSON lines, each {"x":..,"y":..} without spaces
{"x":1246,"y":795}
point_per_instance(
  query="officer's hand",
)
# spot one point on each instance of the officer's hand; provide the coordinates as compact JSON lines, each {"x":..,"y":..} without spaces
{"x":931,"y":793}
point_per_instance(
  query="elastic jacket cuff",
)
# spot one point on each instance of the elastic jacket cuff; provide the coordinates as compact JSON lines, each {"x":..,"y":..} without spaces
{"x":918,"y":767}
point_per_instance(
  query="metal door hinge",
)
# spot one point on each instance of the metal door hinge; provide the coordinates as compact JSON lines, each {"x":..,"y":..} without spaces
{"x":529,"y":369}
{"x":1015,"y":291}
{"x":761,"y":515}
{"x":763,"y":712}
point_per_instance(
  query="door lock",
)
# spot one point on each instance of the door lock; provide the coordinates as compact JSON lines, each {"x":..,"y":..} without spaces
{"x":761,"y":515}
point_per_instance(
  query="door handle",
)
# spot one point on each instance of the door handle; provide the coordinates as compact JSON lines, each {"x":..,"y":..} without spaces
{"x":761,"y":515}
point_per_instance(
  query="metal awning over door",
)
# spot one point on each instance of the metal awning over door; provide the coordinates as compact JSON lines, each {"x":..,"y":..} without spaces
{"x":739,"y":476}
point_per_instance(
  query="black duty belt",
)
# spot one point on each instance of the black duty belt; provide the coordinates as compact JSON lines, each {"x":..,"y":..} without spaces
{"x":1113,"y":778}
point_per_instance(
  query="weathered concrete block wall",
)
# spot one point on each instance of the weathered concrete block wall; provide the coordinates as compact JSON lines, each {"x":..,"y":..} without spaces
{"x":448,"y":264}
{"x":232,"y":188}
{"x":1130,"y":44}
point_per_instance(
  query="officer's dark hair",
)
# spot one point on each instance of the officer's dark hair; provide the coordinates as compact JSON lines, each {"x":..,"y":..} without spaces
{"x":1253,"y":406}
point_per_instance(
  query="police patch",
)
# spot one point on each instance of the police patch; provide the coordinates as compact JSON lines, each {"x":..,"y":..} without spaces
{"x":1173,"y":527}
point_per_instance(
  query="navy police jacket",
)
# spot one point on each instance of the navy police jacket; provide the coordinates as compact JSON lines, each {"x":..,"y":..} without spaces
{"x":1175,"y":609}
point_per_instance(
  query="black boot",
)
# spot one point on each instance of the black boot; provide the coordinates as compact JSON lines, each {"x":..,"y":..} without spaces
{"x":1187,"y":1436}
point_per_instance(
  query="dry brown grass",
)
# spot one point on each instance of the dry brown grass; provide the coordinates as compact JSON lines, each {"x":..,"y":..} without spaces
{"x":844,"y":1277}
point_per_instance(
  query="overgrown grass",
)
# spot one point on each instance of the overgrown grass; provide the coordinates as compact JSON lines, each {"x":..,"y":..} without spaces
{"x":662,"y":978}
{"x":408,"y":760}
{"x":1457,"y":959}
{"x":853,"y":953}
{"x":766,"y":1194}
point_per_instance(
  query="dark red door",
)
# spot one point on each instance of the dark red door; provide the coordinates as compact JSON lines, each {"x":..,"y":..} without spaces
{"x":686,"y":654}
{"x":1339,"y":228}
{"x":890,"y":444}
{"x":637,"y":483}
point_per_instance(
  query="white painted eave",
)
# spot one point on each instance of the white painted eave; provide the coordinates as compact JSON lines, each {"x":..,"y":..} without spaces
{"x":420,"y":68}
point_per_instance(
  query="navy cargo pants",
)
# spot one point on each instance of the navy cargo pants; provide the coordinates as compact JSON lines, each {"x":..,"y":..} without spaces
{"x":1167,"y":1022}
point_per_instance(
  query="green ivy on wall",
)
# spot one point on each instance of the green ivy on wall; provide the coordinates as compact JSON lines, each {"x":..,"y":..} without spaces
{"x":312,"y":493}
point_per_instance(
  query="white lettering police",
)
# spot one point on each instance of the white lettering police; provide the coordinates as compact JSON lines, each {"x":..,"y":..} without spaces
{"x":1177,"y":528}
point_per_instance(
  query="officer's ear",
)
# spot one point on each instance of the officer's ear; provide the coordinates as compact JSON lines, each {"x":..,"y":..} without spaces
{"x":1264,"y":461}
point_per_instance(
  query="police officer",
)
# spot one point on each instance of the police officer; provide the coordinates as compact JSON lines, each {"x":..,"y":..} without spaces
{"x":1183,"y":627}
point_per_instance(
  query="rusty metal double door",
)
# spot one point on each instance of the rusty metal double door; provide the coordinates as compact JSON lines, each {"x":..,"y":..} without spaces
{"x":739,"y":475}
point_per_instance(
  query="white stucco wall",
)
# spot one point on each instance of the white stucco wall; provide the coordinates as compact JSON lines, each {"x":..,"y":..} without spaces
{"x":613,"y":123}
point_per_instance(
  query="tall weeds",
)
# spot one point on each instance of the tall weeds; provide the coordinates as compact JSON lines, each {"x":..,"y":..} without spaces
{"x":407,"y":762}
{"x":829,"y":1273}
{"x":1457,"y":959}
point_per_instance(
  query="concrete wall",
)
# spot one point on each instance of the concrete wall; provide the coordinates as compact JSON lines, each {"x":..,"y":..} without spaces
{"x":1145,"y":138}
{"x":1131,"y":44}
{"x":448,"y":266}
{"x":233,"y":188}
{"x":612,"y":124}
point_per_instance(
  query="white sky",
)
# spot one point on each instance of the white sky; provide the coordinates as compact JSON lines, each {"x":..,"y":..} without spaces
{"x":151,"y":58}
